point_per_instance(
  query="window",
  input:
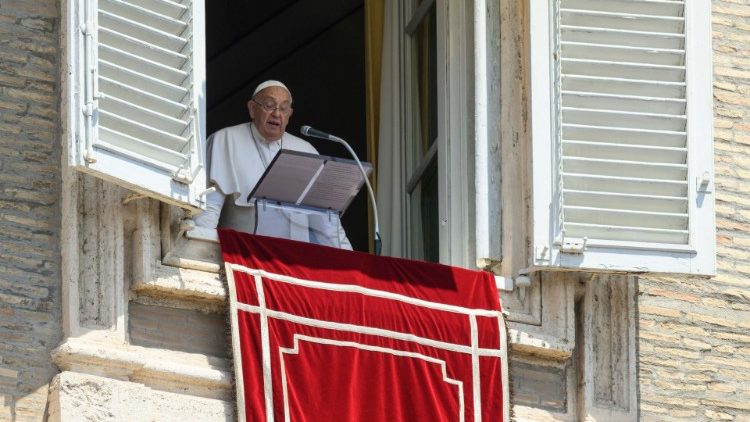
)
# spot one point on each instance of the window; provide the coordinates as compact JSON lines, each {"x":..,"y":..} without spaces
{"x":425,"y":140}
{"x":622,"y":141}
{"x":135,"y":95}
{"x":621,"y":126}
{"x":422,"y":184}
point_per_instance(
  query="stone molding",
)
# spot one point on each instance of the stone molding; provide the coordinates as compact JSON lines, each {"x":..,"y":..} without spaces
{"x":76,"y":396}
{"x":156,"y":368}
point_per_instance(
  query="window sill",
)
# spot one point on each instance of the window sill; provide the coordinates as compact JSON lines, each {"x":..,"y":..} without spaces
{"x":203,"y":234}
{"x":174,"y":282}
{"x":197,"y":249}
{"x":188,"y":271}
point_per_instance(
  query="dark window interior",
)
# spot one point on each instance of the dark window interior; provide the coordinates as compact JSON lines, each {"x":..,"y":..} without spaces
{"x":316,"y":49}
{"x":426,"y":44}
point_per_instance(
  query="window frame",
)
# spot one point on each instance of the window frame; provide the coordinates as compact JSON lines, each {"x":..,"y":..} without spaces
{"x":698,"y":257}
{"x":149,"y":177}
{"x":456,"y":181}
{"x":419,"y":163}
{"x":453,"y":144}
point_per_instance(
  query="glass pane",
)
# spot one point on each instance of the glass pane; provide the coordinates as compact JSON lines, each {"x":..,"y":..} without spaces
{"x":426,"y":38}
{"x":429,"y":209}
{"x":424,"y":199}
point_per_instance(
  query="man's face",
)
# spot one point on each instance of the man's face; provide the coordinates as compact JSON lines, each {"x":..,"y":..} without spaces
{"x":271,"y":124}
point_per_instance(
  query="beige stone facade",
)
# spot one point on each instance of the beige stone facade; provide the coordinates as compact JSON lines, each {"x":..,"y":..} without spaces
{"x":30,"y":308}
{"x":693,"y":342}
{"x":108,"y":312}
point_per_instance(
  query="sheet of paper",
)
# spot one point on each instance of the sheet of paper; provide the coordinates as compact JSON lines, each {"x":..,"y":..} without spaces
{"x":310,"y":180}
{"x":287,"y":177}
{"x":336,"y":186}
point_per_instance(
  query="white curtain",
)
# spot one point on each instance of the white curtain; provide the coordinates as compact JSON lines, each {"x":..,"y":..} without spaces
{"x":390,"y":197}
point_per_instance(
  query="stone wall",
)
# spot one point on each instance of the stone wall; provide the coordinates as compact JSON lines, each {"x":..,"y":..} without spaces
{"x":694,"y":334}
{"x":30,"y":312}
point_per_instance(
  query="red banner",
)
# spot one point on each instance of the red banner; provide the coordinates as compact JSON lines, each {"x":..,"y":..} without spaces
{"x":321,"y":334}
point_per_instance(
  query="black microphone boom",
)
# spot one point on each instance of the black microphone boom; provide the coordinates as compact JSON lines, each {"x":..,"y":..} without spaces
{"x":315,"y":133}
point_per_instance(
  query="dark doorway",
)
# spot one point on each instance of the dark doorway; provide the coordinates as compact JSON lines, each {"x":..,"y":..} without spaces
{"x":317,"y":49}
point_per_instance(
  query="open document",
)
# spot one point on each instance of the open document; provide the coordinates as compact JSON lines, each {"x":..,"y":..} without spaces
{"x":311,"y":180}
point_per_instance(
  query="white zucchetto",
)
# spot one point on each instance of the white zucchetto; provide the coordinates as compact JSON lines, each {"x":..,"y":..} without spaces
{"x":269,"y":83}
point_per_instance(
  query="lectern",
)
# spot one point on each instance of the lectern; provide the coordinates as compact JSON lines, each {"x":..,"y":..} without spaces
{"x":302,"y":196}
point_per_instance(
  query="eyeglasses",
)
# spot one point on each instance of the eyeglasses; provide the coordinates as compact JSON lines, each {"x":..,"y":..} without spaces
{"x":270,"y":107}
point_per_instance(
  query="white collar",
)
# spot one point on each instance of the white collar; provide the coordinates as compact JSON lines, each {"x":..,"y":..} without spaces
{"x":260,"y":138}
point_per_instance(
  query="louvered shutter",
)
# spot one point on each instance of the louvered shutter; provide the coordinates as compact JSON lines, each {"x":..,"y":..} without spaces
{"x":622,"y":139}
{"x":137,"y":95}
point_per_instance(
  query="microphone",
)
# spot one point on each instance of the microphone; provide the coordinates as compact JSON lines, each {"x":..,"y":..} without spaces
{"x":315,"y":133}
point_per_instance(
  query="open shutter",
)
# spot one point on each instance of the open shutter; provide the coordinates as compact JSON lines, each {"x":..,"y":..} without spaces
{"x":622,"y":138}
{"x":139,"y":101}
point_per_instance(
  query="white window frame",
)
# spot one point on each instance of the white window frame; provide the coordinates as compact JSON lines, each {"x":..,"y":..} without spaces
{"x":453,"y":144}
{"x":182,"y":187}
{"x":698,"y":257}
{"x":417,"y":162}
{"x":455,"y":164}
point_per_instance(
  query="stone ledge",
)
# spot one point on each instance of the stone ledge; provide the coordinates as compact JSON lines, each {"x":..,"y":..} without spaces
{"x":539,"y":345}
{"x":197,"y":249}
{"x":165,"y":370}
{"x":182,"y":283}
{"x":203,"y":234}
{"x":76,"y":396}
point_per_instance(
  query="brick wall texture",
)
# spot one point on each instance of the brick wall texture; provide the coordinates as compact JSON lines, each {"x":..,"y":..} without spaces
{"x":694,"y":334}
{"x":29,"y":205}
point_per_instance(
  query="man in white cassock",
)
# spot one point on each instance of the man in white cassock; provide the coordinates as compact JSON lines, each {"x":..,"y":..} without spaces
{"x":238,"y":156}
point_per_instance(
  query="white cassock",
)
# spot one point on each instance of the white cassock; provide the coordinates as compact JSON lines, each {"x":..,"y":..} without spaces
{"x":237,"y":157}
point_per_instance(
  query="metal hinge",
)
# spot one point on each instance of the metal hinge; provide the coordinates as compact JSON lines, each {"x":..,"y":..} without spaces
{"x":182,"y":175}
{"x":201,"y":197}
{"x":88,"y":110}
{"x":703,"y":183}
{"x":542,"y":253}
{"x":573,"y":246}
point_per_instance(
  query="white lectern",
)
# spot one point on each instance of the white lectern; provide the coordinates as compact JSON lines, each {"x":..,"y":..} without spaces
{"x":301,"y":196}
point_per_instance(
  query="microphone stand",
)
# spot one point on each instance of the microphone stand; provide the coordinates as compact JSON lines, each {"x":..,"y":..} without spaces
{"x":306,"y":130}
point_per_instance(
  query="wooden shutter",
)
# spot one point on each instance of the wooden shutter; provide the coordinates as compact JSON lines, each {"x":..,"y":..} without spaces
{"x":628,"y":137}
{"x":138,"y":100}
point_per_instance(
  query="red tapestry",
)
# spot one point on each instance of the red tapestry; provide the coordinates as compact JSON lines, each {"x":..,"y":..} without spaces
{"x":321,"y":334}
